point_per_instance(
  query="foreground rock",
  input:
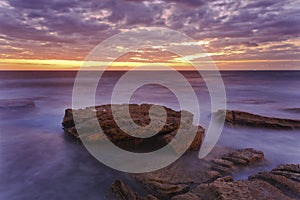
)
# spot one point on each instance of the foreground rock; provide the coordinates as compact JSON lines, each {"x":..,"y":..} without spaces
{"x":226,"y":189}
{"x":178,"y":180}
{"x":284,"y":177}
{"x":201,"y":179}
{"x":241,"y":118}
{"x":140,"y":115}
{"x":282,"y":183}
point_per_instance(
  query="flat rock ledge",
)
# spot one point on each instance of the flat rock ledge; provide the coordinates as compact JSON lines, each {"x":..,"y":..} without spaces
{"x":281,"y":183}
{"x":240,"y":118}
{"x":140,"y":115}
{"x":211,"y":179}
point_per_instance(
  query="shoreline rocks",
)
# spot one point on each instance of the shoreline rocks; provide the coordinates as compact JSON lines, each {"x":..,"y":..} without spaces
{"x":227,"y":189}
{"x":182,"y":177}
{"x":226,"y":163}
{"x":240,"y":118}
{"x":285,"y":177}
{"x":281,"y":183}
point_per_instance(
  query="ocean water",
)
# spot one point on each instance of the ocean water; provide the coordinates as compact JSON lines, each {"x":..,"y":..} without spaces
{"x":38,"y":161}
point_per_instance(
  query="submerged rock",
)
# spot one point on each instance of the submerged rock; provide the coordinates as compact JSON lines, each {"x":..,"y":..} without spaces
{"x":140,"y":115}
{"x":292,"y":110}
{"x":241,"y":118}
{"x":16,"y":103}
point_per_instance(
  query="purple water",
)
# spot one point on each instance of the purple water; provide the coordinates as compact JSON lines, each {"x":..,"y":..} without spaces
{"x":39,"y":162}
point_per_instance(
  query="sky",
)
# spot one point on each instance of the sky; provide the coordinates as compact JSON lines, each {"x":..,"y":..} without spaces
{"x":237,"y":34}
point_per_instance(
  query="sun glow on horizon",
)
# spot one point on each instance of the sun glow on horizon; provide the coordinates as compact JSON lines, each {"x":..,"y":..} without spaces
{"x":39,"y":64}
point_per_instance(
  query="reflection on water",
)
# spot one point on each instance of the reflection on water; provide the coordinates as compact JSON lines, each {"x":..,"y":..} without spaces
{"x":38,"y":161}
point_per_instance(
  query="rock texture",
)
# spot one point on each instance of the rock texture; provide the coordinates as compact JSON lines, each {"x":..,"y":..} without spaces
{"x":285,"y":177}
{"x":241,"y":118}
{"x":140,"y":115}
{"x":119,"y":191}
{"x":180,"y":178}
{"x":282,"y":183}
{"x":226,"y":189}
{"x":179,"y":181}
{"x":226,"y":163}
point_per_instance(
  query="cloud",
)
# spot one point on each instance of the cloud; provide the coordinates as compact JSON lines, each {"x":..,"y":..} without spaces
{"x":71,"y":28}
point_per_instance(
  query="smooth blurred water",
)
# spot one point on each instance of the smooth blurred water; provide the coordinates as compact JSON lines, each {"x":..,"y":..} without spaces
{"x":39,"y":162}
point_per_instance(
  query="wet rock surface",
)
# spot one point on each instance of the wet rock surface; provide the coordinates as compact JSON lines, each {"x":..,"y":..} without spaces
{"x":240,"y":118}
{"x":244,"y":189}
{"x":280,"y":183}
{"x":182,"y":177}
{"x":230,"y":161}
{"x":179,"y":181}
{"x":91,"y":118}
{"x":285,"y":177}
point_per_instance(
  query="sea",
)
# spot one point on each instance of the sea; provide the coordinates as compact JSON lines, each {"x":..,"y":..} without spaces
{"x":39,"y":161}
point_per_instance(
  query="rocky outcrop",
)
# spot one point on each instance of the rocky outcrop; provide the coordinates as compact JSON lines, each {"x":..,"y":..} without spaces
{"x":140,"y":115}
{"x":240,"y":118}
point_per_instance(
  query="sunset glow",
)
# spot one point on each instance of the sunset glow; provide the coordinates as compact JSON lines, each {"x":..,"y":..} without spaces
{"x":32,"y":64}
{"x":59,"y":36}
